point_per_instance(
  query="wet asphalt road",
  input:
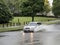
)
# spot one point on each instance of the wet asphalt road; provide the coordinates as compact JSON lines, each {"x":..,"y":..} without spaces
{"x":37,"y":38}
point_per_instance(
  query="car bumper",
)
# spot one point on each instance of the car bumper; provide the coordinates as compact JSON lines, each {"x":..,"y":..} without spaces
{"x":28,"y":31}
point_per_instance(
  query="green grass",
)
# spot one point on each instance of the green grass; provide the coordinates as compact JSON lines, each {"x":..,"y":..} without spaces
{"x":56,"y":22}
{"x":11,"y":29}
{"x":29,"y":19}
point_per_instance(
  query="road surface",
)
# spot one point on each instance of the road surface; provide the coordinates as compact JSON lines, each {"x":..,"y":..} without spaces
{"x":37,"y":38}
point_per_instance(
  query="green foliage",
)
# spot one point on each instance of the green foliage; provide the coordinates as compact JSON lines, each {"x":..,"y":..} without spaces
{"x":27,"y":7}
{"x":14,"y":5}
{"x":47,"y":6}
{"x":5,"y":14}
{"x":31,"y":7}
{"x":56,"y":8}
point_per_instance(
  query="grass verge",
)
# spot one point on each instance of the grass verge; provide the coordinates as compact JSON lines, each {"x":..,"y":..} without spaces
{"x":53,"y":22}
{"x":7,"y":29}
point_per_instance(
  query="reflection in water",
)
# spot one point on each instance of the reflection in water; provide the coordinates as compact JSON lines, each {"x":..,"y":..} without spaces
{"x":21,"y":38}
{"x":28,"y":38}
{"x":23,"y":34}
{"x":31,"y":38}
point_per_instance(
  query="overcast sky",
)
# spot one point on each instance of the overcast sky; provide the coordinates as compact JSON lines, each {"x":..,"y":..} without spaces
{"x":50,"y":1}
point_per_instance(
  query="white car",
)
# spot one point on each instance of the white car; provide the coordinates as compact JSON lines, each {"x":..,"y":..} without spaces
{"x":31,"y":26}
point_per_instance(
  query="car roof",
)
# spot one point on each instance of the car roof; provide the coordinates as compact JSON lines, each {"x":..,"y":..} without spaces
{"x":34,"y":22}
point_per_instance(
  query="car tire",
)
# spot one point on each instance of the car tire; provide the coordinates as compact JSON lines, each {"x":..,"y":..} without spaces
{"x":25,"y":31}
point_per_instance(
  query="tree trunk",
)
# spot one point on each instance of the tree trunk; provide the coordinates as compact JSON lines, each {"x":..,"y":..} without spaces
{"x":32,"y":18}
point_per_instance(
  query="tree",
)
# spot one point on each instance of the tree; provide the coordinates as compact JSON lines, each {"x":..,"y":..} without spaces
{"x":13,"y":5}
{"x":31,"y":7}
{"x":5,"y":14}
{"x":1,"y":1}
{"x":56,"y":8}
{"x":47,"y":7}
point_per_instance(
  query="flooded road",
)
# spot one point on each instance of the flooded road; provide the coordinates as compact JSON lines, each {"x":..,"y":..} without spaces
{"x":37,"y":38}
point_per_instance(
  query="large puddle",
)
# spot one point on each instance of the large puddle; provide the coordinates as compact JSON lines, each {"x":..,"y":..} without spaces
{"x":38,"y":38}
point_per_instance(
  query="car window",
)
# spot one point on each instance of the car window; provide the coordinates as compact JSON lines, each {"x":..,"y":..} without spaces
{"x":39,"y":23}
{"x":32,"y":24}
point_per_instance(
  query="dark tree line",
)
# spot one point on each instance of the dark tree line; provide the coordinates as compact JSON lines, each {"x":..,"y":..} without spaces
{"x":5,"y":14}
{"x":56,"y":8}
{"x":26,"y":7}
{"x":32,"y":7}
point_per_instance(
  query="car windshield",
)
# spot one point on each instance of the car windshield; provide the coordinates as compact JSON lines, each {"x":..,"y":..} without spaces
{"x":32,"y":24}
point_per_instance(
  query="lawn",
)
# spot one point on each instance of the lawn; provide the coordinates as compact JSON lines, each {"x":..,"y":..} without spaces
{"x":29,"y":19}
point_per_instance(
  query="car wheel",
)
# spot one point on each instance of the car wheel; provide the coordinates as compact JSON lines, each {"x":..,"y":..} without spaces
{"x":25,"y":31}
{"x":32,"y":31}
